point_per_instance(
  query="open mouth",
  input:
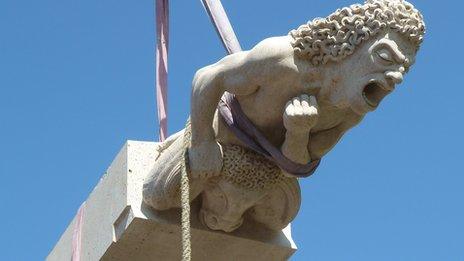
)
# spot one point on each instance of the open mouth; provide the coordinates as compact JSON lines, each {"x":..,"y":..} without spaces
{"x":374,"y":93}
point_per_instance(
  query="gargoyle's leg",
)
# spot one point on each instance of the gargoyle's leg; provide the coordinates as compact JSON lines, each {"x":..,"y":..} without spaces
{"x":161,"y":188}
{"x":280,"y":206}
{"x":224,"y":203}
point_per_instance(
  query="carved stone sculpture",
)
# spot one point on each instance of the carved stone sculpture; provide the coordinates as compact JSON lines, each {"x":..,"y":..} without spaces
{"x":302,"y":92}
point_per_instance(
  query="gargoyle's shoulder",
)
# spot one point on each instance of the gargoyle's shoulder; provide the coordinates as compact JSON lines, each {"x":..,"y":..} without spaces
{"x":273,"y":48}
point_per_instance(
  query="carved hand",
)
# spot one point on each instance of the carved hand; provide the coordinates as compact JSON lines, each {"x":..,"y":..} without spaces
{"x":205,"y":159}
{"x":301,"y":114}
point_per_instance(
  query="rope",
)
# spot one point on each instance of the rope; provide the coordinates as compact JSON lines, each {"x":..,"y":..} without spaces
{"x":185,"y":203}
{"x":225,"y":31}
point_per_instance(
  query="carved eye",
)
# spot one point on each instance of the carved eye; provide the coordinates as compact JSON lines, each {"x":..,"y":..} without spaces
{"x":385,"y":56}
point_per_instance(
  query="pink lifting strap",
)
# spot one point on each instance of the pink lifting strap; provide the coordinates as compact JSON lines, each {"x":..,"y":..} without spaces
{"x":230,"y":110}
{"x":77,"y":234}
{"x":162,"y":44}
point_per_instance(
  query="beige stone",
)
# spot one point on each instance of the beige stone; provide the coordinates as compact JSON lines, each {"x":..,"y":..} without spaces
{"x":118,"y":226}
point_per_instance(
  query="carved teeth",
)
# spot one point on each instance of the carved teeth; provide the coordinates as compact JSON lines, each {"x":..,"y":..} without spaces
{"x":382,"y":85}
{"x":374,"y":92}
{"x":369,"y":102}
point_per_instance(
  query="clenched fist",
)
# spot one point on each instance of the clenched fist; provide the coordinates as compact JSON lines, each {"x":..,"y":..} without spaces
{"x":301,"y":114}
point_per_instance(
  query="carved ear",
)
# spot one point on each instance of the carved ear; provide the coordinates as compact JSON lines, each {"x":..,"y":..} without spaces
{"x":278,"y":208}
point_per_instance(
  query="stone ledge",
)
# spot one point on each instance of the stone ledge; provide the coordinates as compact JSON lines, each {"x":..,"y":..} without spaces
{"x":118,"y":226}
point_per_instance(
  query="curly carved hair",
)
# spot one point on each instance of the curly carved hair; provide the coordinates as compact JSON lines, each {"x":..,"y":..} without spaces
{"x":335,"y":37}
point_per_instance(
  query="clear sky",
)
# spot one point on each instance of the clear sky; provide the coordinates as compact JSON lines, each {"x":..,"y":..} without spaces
{"x":76,"y":81}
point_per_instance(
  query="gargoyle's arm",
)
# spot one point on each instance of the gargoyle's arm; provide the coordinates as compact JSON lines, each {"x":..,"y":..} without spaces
{"x":209,"y":83}
{"x":319,"y":143}
{"x":322,"y":142}
{"x":300,"y":116}
{"x":294,"y":149}
{"x":241,"y":74}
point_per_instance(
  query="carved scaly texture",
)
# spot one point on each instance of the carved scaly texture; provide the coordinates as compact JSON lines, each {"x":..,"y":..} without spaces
{"x":248,"y":169}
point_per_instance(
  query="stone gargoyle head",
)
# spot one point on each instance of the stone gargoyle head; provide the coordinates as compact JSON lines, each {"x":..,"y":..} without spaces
{"x":362,"y":50}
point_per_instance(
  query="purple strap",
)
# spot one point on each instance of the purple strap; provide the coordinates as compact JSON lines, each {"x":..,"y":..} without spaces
{"x":246,"y":131}
{"x":223,"y":27}
{"x":230,"y":110}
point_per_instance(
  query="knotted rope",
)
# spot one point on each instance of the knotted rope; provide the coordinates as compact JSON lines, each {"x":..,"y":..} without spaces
{"x":185,"y":220}
{"x":185,"y":200}
{"x":224,"y":29}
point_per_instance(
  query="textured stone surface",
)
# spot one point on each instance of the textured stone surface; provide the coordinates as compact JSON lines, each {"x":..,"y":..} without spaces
{"x":118,"y":226}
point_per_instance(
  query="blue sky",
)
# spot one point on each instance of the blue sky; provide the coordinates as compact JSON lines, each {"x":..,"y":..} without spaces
{"x":76,"y":81}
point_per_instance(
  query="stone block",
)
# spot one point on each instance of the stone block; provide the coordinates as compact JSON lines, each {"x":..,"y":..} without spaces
{"x":116,"y":225}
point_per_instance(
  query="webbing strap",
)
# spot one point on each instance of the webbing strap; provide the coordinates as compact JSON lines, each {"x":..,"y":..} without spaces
{"x":162,"y":44}
{"x":222,"y":25}
{"x":77,"y":234}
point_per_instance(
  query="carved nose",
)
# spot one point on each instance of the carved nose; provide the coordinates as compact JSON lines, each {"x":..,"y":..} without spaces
{"x":395,"y":77}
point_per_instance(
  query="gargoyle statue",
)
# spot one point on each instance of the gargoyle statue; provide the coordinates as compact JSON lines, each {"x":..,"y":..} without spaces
{"x":285,"y":103}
